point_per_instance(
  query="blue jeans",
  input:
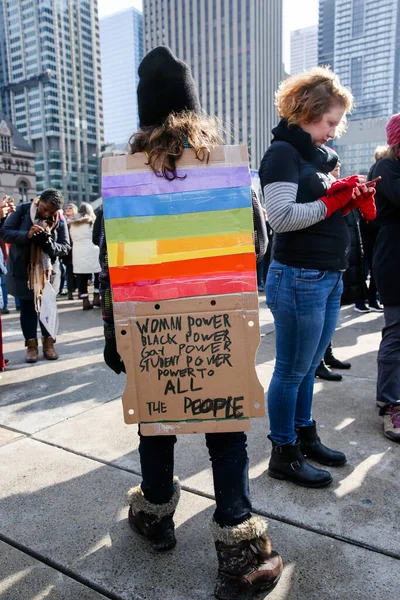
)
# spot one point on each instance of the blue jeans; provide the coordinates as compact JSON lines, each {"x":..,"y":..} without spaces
{"x":230,"y":467}
{"x":305,"y":304}
{"x":4,"y":289}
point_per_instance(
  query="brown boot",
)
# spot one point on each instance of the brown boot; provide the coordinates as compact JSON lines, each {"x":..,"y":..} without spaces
{"x":86,"y":305}
{"x":96,"y":299}
{"x":154,"y":521}
{"x":247,"y":564}
{"x":32,"y":353}
{"x":48,"y":348}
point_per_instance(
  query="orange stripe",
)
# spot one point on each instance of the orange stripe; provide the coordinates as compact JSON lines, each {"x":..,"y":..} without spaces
{"x":235,"y":263}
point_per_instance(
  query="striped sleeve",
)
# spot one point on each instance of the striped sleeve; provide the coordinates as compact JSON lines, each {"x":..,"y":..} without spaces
{"x":279,"y":174}
{"x":283,"y":212}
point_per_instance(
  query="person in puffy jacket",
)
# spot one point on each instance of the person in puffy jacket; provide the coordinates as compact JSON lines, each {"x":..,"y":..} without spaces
{"x":85,"y":254}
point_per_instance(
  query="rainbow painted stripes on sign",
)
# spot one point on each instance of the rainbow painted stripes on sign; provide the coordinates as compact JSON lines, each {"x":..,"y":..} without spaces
{"x":192,"y":236}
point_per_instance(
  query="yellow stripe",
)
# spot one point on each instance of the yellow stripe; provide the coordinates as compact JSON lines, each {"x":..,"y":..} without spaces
{"x":157,"y":252}
{"x":203,"y":243}
{"x":121,"y":253}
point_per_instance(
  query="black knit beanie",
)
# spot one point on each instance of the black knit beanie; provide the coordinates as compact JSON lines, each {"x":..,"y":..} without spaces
{"x":165,"y":85}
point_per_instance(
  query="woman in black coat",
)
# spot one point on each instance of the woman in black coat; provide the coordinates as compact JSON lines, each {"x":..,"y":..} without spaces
{"x":386,"y":267}
{"x":37,"y":236}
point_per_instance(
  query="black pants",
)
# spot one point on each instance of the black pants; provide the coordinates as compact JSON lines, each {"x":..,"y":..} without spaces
{"x":368,"y":247}
{"x":230,"y":467}
{"x":388,"y":384}
{"x":71,"y":279}
{"x":29,"y":320}
{"x":82,"y":279}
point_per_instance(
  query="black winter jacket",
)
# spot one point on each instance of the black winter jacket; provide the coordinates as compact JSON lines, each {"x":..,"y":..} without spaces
{"x":355,"y":288}
{"x":15,"y":231}
{"x":294,"y":165}
{"x":386,"y":260}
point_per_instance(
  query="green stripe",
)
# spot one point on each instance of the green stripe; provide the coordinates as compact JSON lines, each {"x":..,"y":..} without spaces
{"x":216,"y":222}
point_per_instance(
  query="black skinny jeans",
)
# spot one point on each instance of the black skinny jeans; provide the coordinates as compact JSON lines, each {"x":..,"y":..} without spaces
{"x":29,"y":320}
{"x":230,"y":467}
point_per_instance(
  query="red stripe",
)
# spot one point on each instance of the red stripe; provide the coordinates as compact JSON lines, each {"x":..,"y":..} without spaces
{"x":187,"y":287}
{"x":182,"y":269}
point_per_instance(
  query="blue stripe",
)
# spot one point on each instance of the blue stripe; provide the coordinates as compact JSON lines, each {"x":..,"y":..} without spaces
{"x":178,"y":203}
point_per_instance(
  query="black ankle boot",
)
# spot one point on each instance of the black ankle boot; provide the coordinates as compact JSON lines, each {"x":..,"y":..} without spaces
{"x":311,"y":447}
{"x":332,"y":361}
{"x":323,"y":372}
{"x":287,"y":462}
{"x":154,"y":521}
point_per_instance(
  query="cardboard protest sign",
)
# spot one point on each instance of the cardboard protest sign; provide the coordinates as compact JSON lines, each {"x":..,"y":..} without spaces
{"x":183,"y":277}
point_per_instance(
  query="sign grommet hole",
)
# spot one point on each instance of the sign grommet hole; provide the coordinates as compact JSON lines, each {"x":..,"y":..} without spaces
{"x":123,"y":331}
{"x":157,"y":306}
{"x":250,"y":323}
{"x":213,"y":303}
{"x":256,"y":405}
{"x":131,"y":411}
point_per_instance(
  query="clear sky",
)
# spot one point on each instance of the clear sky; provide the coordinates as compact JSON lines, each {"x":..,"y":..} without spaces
{"x":297,"y":14}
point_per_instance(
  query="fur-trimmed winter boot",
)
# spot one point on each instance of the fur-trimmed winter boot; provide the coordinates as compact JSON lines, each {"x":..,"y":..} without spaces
{"x":246,"y":562}
{"x":154,"y":521}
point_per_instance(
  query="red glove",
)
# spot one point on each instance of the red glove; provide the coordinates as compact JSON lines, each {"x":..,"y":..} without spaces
{"x":366,"y":204}
{"x":349,"y":207}
{"x":343,"y":184}
{"x":339,"y":195}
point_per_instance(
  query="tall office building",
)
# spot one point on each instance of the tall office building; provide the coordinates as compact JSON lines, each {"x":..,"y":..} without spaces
{"x":367,"y":59}
{"x":326,"y":32}
{"x":234,"y":48}
{"x":303,"y":49}
{"x":51,"y":89}
{"x":121,"y":47}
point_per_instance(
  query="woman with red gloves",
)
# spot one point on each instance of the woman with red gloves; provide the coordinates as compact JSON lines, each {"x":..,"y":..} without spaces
{"x":310,"y":253}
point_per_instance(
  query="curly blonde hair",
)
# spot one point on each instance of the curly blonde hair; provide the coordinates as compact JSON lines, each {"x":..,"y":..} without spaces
{"x":306,"y":97}
{"x":164,"y":144}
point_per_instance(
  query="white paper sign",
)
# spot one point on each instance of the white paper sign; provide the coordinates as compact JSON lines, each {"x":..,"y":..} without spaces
{"x":48,"y":310}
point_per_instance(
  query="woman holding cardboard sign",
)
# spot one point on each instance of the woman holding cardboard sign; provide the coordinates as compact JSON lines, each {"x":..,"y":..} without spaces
{"x":310,"y":253}
{"x":170,"y":121}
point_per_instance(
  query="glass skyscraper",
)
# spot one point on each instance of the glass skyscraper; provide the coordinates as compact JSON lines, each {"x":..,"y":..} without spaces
{"x":121,"y":46}
{"x":51,"y":89}
{"x":234,"y":49}
{"x":366,"y":56}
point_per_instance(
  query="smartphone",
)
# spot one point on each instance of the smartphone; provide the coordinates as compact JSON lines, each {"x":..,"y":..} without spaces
{"x":367,"y":183}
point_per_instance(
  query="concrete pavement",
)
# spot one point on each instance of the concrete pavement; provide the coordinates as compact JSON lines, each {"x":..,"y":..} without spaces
{"x":67,"y":459}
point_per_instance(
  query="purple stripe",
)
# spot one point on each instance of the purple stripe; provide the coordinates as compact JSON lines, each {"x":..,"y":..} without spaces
{"x":146,"y":184}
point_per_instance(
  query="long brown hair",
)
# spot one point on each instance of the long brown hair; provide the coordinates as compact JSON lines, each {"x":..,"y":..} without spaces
{"x":164,"y":144}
